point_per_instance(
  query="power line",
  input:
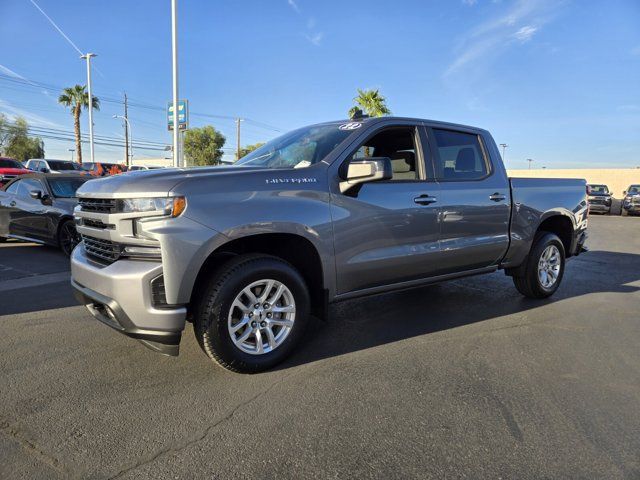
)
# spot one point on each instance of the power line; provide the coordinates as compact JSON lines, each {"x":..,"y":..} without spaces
{"x":134,"y":104}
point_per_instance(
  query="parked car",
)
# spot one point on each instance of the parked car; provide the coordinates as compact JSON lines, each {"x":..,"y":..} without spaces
{"x":631,"y":201}
{"x":134,"y":168}
{"x":101,"y":169}
{"x":10,"y":169}
{"x":44,"y":165}
{"x":321,"y":214}
{"x":39,"y":207}
{"x":599,"y":198}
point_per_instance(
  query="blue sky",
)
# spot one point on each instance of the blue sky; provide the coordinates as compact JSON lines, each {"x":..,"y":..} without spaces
{"x":556,"y":80}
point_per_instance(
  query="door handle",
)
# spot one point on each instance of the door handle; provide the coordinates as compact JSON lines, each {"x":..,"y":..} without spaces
{"x":425,"y":199}
{"x":12,"y":204}
{"x":497,"y":197}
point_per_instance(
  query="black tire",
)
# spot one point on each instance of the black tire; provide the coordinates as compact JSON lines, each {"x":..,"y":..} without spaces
{"x":3,"y":239}
{"x":212,"y":311}
{"x":528,"y":282}
{"x":68,"y":237}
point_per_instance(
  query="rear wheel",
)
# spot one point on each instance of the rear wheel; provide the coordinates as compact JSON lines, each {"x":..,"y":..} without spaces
{"x":544,"y":267}
{"x":68,"y":237}
{"x":253,"y":313}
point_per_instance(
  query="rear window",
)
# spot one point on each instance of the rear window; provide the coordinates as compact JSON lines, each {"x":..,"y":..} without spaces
{"x":8,"y":163}
{"x":459,"y":156}
{"x":58,"y":165}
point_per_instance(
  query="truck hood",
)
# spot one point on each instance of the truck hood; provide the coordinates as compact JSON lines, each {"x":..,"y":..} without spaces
{"x":151,"y":183}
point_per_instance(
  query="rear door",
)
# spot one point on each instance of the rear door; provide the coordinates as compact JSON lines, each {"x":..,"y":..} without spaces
{"x":387,"y":232}
{"x":474,"y":201}
{"x":7,"y":207}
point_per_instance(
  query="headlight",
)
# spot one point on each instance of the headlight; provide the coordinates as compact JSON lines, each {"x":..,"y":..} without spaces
{"x":169,"y":206}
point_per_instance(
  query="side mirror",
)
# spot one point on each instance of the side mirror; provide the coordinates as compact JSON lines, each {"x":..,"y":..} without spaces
{"x":44,"y":170}
{"x":35,"y":194}
{"x":364,"y":170}
{"x":624,"y":192}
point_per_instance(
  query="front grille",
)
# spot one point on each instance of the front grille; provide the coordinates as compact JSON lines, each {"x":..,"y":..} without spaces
{"x":100,"y":205}
{"x":89,"y":222}
{"x":597,"y":201}
{"x":104,"y":250}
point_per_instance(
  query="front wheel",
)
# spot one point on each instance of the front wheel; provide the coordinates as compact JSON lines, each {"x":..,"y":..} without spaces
{"x":544,"y":267}
{"x":253,"y":313}
{"x":68,"y":237}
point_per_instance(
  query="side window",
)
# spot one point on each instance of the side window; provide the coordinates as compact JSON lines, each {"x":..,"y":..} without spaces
{"x":13,"y":188}
{"x":27,"y":186}
{"x":399,"y":145}
{"x":459,"y":156}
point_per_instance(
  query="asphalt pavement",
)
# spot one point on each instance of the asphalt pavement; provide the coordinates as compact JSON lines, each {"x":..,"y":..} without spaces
{"x":465,"y":379}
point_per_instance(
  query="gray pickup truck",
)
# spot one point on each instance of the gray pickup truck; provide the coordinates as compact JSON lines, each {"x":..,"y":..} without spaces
{"x":321,"y":214}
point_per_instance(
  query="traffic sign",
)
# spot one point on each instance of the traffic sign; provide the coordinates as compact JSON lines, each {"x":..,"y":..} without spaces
{"x":183,"y":115}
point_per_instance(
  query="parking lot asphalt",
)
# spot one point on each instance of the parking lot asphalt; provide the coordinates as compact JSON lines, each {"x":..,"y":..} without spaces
{"x":465,"y":379}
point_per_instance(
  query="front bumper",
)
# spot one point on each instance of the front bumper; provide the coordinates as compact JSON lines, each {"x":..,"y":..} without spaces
{"x":119,"y":295}
{"x":631,"y":207}
{"x":599,"y":207}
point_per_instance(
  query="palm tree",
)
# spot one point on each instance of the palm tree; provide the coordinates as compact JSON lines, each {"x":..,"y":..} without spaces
{"x":373,"y":104}
{"x":77,"y":97}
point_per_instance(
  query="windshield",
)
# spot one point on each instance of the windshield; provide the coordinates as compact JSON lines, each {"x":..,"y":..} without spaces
{"x":65,"y":187}
{"x":60,"y":165}
{"x":634,"y":189}
{"x":7,"y":163}
{"x":599,"y":189}
{"x":298,"y":149}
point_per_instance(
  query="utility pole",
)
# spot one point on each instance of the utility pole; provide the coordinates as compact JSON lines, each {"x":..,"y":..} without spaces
{"x":88,"y":57}
{"x":504,"y":153}
{"x":126,"y":133}
{"x":174,"y":46}
{"x":529,"y":160}
{"x":238,"y":120}
{"x":127,"y":128}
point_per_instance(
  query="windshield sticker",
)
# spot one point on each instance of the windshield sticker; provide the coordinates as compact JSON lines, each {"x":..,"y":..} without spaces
{"x":350,"y":126}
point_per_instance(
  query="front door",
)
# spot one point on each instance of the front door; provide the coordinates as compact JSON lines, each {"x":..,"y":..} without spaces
{"x":387,"y":232}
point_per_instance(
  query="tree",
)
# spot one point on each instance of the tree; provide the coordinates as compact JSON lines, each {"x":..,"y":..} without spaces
{"x":17,"y":143}
{"x":76,"y":98}
{"x":203,"y":146}
{"x":4,"y":131}
{"x":373,"y":104}
{"x":247,"y":149}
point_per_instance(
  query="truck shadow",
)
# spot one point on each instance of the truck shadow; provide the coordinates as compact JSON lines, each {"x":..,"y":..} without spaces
{"x":373,"y":321}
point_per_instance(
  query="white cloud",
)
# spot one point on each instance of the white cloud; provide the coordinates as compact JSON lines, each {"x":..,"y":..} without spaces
{"x":315,"y":38}
{"x":517,"y":23}
{"x":636,"y":51}
{"x":294,"y":5}
{"x":525,"y":33}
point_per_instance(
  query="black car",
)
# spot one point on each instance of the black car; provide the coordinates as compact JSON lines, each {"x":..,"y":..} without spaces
{"x":39,"y":207}
{"x":599,"y":198}
{"x":631,"y":201}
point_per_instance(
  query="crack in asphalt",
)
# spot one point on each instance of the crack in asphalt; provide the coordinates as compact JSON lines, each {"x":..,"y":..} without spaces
{"x":31,"y":448}
{"x":201,"y":436}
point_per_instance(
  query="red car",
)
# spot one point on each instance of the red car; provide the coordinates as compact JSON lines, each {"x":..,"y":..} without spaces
{"x":10,"y":169}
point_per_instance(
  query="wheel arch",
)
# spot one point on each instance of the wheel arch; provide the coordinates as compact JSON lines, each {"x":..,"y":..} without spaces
{"x":296,"y":249}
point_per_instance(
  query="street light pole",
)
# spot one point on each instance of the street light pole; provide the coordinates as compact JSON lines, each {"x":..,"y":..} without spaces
{"x":504,"y":153}
{"x":129,"y":154}
{"x":529,"y":160}
{"x":71,"y":150}
{"x":238,"y":120}
{"x":174,"y":46}
{"x":88,"y":57}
